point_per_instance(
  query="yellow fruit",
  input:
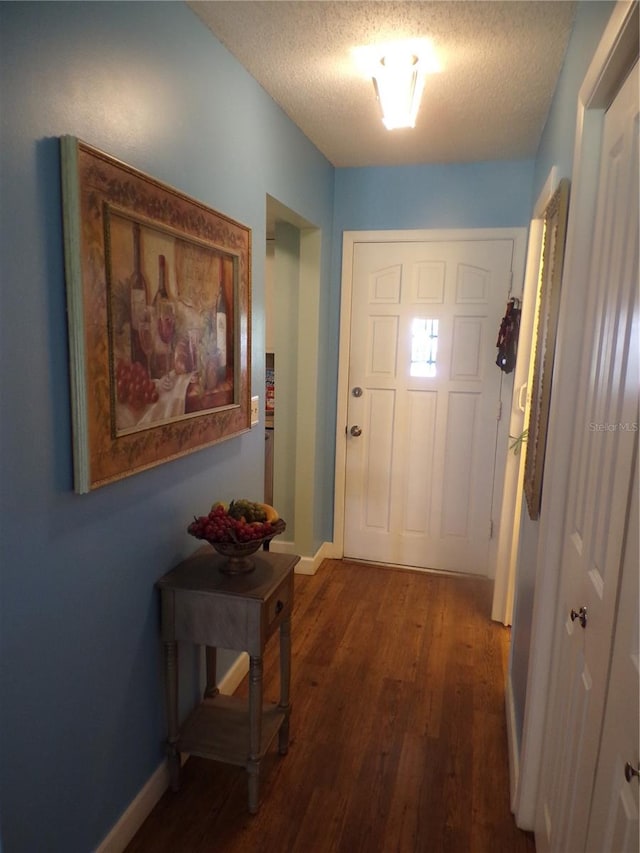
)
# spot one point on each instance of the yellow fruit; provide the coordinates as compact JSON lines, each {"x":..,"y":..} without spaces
{"x":271,"y":513}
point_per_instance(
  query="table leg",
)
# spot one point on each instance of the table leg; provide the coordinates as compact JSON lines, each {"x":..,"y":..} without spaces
{"x":211,"y":689}
{"x":285,"y":681}
{"x":255,"y":730}
{"x":171,"y":699}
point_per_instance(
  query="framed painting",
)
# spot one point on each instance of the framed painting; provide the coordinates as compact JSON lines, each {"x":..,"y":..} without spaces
{"x":555,"y":230}
{"x":159,"y":313}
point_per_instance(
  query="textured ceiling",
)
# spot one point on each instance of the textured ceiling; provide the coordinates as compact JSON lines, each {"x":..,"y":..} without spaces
{"x":500,"y":63}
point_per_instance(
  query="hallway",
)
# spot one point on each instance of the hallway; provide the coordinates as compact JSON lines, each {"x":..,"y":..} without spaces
{"x":398,"y":730}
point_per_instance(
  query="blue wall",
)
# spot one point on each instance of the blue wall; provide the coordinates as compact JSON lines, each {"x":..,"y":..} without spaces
{"x":82,"y":721}
{"x":465,"y":195}
{"x":557,"y":143}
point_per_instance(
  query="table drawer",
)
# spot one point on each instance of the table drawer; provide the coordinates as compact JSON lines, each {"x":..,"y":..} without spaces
{"x":278,"y":606}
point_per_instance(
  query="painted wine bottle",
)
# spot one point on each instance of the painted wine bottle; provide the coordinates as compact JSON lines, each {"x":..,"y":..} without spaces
{"x":221,"y":331}
{"x":164,"y":311}
{"x":139,"y":300}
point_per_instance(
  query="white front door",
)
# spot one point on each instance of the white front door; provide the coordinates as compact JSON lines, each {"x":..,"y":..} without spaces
{"x":605,"y":427}
{"x":424,"y":398}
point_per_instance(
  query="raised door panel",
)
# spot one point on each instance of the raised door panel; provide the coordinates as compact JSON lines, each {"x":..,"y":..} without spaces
{"x":378,"y":449}
{"x":418,"y":466}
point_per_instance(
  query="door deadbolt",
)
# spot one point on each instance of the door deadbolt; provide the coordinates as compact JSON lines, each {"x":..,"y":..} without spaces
{"x":581,"y":615}
{"x":355,"y":431}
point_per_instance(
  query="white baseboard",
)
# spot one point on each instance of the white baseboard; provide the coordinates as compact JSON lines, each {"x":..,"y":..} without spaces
{"x":306,"y":565}
{"x":513,"y":745}
{"x":234,"y":675}
{"x":137,"y":812}
{"x":141,"y":806}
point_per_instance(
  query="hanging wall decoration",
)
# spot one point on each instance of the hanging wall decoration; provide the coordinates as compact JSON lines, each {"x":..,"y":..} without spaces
{"x":555,"y":229}
{"x":508,"y":335}
{"x":158,"y":299}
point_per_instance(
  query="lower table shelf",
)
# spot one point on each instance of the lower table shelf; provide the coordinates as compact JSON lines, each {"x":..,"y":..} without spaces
{"x":218,"y":729}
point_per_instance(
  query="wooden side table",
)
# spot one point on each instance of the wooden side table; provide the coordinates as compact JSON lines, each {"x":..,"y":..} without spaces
{"x":203,"y":605}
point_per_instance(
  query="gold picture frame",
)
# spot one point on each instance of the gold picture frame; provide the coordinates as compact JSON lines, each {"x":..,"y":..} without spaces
{"x":555,"y":230}
{"x":159,"y":317}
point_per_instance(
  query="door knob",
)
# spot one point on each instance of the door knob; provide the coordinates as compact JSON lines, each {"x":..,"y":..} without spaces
{"x":355,"y":431}
{"x":581,"y":615}
{"x":630,"y":771}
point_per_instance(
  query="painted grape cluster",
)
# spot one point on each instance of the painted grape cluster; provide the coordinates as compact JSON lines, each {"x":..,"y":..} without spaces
{"x":134,"y":387}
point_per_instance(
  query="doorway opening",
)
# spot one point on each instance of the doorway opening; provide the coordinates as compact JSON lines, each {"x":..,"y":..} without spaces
{"x":292,"y":297}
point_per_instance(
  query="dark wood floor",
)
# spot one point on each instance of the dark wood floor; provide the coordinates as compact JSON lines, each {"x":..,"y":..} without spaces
{"x":398,"y":738}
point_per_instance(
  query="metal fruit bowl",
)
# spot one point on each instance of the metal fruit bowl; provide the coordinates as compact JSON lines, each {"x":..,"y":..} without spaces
{"x":238,"y":554}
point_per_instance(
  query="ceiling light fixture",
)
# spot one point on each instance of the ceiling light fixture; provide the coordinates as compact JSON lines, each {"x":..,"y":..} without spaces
{"x":398,"y":70}
{"x":399,"y":80}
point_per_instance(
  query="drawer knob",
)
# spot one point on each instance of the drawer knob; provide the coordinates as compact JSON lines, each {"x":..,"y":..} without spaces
{"x":279,"y":606}
{"x":581,"y":615}
{"x":630,"y":771}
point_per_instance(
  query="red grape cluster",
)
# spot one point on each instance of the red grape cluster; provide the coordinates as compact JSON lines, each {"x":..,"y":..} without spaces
{"x":219,"y":526}
{"x":133,"y":385}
